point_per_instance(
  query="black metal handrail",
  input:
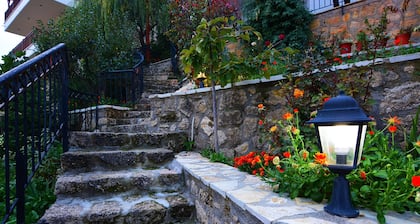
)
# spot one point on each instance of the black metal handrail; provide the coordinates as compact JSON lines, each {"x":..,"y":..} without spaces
{"x":33,"y":99}
{"x":83,"y":111}
{"x":123,"y":86}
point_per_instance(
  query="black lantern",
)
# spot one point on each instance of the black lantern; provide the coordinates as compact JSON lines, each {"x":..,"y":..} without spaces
{"x":341,"y":128}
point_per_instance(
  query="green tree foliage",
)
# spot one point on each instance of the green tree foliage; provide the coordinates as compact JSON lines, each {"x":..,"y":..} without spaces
{"x":11,"y":60}
{"x":94,"y":44}
{"x":275,"y":17}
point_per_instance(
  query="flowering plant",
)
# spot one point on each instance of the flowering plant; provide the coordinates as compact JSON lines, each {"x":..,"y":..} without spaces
{"x":388,"y":178}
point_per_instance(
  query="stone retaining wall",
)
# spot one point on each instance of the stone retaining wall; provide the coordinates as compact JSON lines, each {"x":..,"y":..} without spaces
{"x":351,"y":18}
{"x":395,"y":90}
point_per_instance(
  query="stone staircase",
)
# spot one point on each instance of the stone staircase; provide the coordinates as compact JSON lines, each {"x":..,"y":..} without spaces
{"x":159,"y":78}
{"x":122,"y":173}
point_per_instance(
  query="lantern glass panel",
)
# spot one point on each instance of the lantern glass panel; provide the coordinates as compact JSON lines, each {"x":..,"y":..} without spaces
{"x":339,"y":143}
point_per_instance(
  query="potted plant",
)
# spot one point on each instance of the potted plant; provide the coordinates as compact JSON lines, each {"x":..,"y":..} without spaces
{"x":345,"y":46}
{"x":404,"y":34}
{"x":362,"y":41}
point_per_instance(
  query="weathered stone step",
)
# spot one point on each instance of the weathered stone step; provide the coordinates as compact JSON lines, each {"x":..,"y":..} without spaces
{"x":160,"y":208}
{"x":132,"y":181}
{"x":86,"y":161}
{"x":106,"y":140}
{"x":130,"y":128}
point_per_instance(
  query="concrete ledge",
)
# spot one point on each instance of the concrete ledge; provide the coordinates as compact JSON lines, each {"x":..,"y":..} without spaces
{"x":223,"y":194}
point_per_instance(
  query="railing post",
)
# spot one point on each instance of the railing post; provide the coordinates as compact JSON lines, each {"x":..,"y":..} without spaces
{"x":65,"y":100}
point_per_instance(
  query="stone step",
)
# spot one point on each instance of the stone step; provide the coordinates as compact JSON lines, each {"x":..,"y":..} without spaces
{"x":110,"y":140}
{"x":130,"y":181}
{"x":86,"y":161}
{"x":157,"y":208}
{"x":130,"y":128}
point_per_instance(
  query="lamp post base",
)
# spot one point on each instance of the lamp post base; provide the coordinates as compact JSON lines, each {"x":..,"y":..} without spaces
{"x":340,"y":203}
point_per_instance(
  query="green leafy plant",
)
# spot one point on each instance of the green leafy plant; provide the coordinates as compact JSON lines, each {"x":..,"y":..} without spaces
{"x":384,"y":179}
{"x":288,"y":21}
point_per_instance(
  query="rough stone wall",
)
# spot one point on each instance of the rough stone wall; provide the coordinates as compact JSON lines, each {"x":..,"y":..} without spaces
{"x":351,"y":18}
{"x":395,"y":90}
{"x":212,"y":207}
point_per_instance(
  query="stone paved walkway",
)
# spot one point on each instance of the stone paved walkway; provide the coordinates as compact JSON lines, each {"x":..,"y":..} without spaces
{"x":256,"y":197}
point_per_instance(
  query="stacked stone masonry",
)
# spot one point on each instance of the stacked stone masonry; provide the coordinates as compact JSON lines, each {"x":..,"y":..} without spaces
{"x":395,"y":91}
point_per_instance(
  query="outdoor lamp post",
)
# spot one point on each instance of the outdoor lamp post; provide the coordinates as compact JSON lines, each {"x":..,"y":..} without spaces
{"x":341,"y":128}
{"x":201,"y":77}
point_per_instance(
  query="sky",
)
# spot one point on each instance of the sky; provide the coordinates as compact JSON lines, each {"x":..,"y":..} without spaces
{"x":8,"y":41}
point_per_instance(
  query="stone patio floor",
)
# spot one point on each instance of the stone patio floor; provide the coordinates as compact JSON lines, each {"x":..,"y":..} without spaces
{"x":256,"y":197}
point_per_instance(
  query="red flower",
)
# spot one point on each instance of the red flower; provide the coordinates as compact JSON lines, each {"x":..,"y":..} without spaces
{"x":274,"y":62}
{"x":286,"y":154}
{"x":295,"y":110}
{"x":326,"y":99}
{"x":371,"y":132}
{"x":415,"y":181}
{"x":264,"y":63}
{"x":392,"y":129}
{"x":282,"y":36}
{"x":363,"y":175}
{"x":267,"y":43}
{"x":278,"y":167}
{"x":260,"y":122}
{"x":254,"y":172}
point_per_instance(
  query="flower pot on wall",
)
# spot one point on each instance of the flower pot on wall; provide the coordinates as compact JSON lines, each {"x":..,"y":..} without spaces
{"x":345,"y":48}
{"x":402,"y":38}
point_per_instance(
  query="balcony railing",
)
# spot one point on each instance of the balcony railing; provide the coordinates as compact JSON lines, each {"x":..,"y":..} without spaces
{"x":318,"y":6}
{"x":11,"y":5}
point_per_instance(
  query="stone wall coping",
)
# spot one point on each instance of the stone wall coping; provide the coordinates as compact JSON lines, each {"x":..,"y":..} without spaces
{"x":256,"y":197}
{"x":276,"y":78}
{"x":100,"y":107}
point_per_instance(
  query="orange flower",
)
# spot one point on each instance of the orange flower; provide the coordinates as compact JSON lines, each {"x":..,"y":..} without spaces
{"x":286,"y":154}
{"x":363,"y":175}
{"x":394,"y":120}
{"x":305,"y":154}
{"x":296,"y":110}
{"x":417,"y":143}
{"x":273,"y":129}
{"x":288,"y":116}
{"x":297,"y":93}
{"x":295,"y":131}
{"x":392,"y":129}
{"x":261,"y":106}
{"x":320,"y":158}
{"x":415,"y":181}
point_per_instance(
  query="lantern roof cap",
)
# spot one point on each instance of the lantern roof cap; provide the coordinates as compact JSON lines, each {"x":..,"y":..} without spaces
{"x":340,"y":109}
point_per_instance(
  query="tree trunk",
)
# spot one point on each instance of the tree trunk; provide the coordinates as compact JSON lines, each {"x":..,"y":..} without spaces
{"x":215,"y":116}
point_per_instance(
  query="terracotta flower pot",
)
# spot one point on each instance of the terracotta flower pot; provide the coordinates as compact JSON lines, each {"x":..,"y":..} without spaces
{"x":403,"y":38}
{"x":345,"y":48}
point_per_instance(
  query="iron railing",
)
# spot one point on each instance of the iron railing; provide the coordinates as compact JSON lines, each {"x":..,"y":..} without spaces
{"x":83,"y":112}
{"x":122,"y":86}
{"x":317,"y":6}
{"x":33,"y":103}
